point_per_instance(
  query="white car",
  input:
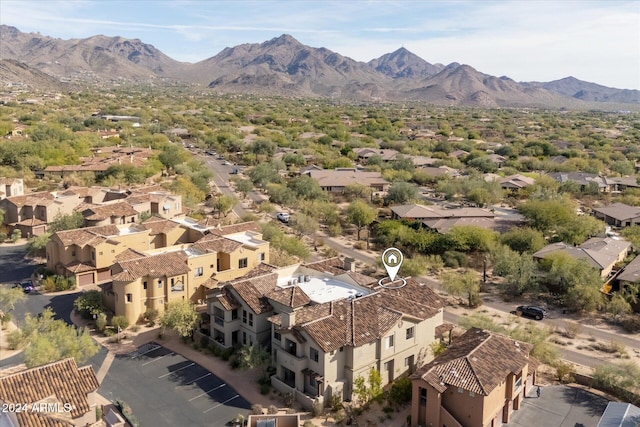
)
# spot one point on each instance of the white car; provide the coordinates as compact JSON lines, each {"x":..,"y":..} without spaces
{"x":283,"y":216}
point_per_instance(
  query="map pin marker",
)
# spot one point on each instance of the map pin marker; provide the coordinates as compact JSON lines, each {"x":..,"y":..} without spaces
{"x":392,"y":260}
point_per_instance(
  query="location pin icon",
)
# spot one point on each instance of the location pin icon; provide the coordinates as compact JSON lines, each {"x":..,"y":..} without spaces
{"x":392,"y":260}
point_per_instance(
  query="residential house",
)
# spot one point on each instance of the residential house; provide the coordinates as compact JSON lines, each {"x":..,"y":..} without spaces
{"x":101,"y":160}
{"x":442,"y":219}
{"x":583,"y":179}
{"x":601,"y":253}
{"x":11,"y":187}
{"x":423,"y":162}
{"x":385,"y":154}
{"x":479,"y":380}
{"x":618,"y":214}
{"x":497,"y":160}
{"x":515,"y":182}
{"x":31,"y":213}
{"x":120,"y":212}
{"x":65,"y":393}
{"x":327,"y":325}
{"x":145,"y":279}
{"x":621,"y":184}
{"x":337,"y":179}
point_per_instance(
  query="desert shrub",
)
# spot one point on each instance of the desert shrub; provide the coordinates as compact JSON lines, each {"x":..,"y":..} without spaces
{"x":336,"y":402}
{"x":256,"y":409}
{"x":339,"y":416}
{"x":57,"y":283}
{"x":565,"y":372}
{"x":150,"y":316}
{"x":631,"y":323}
{"x":120,"y":322}
{"x":108,"y":332}
{"x":3,"y":236}
{"x":454,"y":259}
{"x":572,"y":329}
{"x":316,"y":408}
{"x":204,"y":341}
{"x":272,"y":409}
{"x":265,"y":388}
{"x":308,"y":424}
{"x":101,"y":322}
{"x":335,"y":230}
{"x":360,"y":245}
{"x":135,"y":328}
{"x":16,"y":340}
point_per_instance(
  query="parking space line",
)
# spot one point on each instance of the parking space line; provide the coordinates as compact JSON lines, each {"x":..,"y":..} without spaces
{"x":193,"y":382}
{"x":148,"y":351}
{"x":220,"y":404}
{"x":179,"y":369}
{"x":207,"y":392}
{"x":158,"y":358}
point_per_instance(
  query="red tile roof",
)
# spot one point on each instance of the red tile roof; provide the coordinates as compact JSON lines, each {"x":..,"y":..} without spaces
{"x":62,"y":380}
{"x":477,"y":361}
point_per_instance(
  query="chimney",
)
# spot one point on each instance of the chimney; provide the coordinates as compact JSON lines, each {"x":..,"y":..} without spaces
{"x":350,"y":264}
{"x":288,"y":319}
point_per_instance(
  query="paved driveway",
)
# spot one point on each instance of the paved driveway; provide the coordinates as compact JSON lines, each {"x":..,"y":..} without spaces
{"x":14,"y":266}
{"x":165,"y":389}
{"x":559,"y":406}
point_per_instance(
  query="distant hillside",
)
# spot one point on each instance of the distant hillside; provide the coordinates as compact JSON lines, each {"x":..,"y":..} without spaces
{"x":402,"y":63}
{"x":284,"y":66}
{"x":20,"y":74}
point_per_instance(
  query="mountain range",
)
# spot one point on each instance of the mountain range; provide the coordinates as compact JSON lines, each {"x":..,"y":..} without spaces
{"x":283,"y":66}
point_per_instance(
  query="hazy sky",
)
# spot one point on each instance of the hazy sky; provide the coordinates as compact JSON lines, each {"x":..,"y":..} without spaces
{"x":596,"y":41}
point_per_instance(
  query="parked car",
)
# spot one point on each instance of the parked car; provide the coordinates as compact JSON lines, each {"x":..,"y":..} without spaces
{"x":283,"y":216}
{"x":531,"y":311}
{"x":26,"y":285}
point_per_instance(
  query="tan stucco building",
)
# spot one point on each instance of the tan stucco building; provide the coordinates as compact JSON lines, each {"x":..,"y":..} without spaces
{"x":326,"y":325}
{"x":478,"y":381}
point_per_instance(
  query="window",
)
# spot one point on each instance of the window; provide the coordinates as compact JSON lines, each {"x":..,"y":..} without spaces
{"x":312,"y":381}
{"x":244,"y":316}
{"x":408,"y":362}
{"x":211,"y":266}
{"x":198,"y":272}
{"x":250,"y":319}
{"x":234,"y":314}
{"x":410,"y":332}
{"x":242,"y":263}
{"x":277,"y":336}
{"x":244,"y":338}
{"x":313,"y":354}
{"x":100,"y":252}
{"x":129,"y":297}
{"x":93,"y":255}
{"x":73,"y":253}
{"x":144,"y":285}
{"x":423,"y":396}
{"x":388,"y":341}
{"x":159,"y":284}
{"x":261,"y":256}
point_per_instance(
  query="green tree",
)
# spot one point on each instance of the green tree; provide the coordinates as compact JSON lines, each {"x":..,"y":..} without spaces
{"x":632,"y":234}
{"x":523,"y":239}
{"x":466,"y":283}
{"x":244,"y":186}
{"x":401,"y":192}
{"x":90,"y":303}
{"x":360,"y":214}
{"x":47,"y":340}
{"x":15,"y":235}
{"x":253,"y":356}
{"x":180,"y":316}
{"x":120,"y":322}
{"x":304,"y":225}
{"x":66,"y":222}
{"x":224,"y":204}
{"x":9,"y":297}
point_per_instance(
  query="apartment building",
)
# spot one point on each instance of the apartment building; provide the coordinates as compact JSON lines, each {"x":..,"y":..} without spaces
{"x":149,"y":279}
{"x":480,"y":379}
{"x":326,"y":325}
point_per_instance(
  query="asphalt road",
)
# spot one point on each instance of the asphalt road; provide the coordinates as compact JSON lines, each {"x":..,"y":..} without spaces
{"x":13,"y":265}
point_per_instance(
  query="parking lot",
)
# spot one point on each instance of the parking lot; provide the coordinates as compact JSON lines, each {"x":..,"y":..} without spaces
{"x":165,"y":389}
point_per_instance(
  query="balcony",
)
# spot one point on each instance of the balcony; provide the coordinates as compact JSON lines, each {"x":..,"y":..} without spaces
{"x":291,"y":361}
{"x":218,"y":320}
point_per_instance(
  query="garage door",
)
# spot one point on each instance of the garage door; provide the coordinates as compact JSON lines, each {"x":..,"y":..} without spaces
{"x":104,"y":275}
{"x":85,"y":279}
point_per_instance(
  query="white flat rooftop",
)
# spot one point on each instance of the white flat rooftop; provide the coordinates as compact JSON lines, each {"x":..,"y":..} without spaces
{"x":190,"y":223}
{"x":325,"y":289}
{"x":245,"y":238}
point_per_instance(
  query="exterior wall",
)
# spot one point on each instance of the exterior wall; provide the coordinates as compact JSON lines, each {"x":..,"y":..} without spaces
{"x":157,"y":295}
